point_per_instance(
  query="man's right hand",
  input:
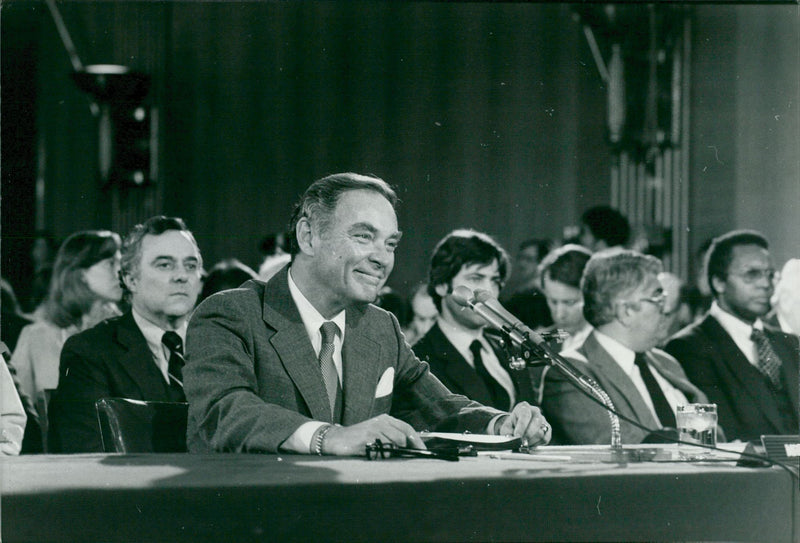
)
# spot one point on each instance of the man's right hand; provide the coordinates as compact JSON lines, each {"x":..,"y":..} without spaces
{"x":352,"y":440}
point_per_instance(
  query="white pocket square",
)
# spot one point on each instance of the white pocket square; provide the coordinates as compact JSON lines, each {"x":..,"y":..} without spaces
{"x":386,"y":383}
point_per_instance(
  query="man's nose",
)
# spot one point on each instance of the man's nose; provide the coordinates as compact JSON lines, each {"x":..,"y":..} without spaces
{"x":382,"y":256}
{"x":180,"y":274}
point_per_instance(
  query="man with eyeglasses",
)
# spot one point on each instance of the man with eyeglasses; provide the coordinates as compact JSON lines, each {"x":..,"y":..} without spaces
{"x":748,"y":369}
{"x":623,"y":300}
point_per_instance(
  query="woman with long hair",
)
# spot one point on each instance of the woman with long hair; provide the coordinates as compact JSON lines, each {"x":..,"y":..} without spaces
{"x":84,"y":290}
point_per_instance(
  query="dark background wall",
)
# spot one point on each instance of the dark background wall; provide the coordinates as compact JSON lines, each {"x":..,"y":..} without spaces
{"x":484,"y":115}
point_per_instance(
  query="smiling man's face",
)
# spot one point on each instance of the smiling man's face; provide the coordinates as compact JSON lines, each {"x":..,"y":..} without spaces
{"x":166,"y":284}
{"x":356,"y":253}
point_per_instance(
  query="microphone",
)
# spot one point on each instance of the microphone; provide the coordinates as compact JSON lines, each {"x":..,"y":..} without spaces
{"x":484,"y":304}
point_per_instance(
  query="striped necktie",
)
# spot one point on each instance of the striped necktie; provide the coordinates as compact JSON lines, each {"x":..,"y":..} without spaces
{"x":329,"y":332}
{"x":174,"y":343}
{"x":768,"y":361}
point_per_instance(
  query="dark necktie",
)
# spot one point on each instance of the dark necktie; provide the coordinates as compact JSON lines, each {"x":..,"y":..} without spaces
{"x":499,"y":395}
{"x":660,"y":403}
{"x":768,"y":361}
{"x":329,"y":331}
{"x":174,"y":343}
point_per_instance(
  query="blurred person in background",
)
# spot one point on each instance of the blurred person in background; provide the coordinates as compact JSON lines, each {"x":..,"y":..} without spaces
{"x":603,"y":227}
{"x":84,"y":290}
{"x":785,"y":313}
{"x":560,"y":274}
{"x":523,"y":298}
{"x":12,"y":320}
{"x":423,"y":314}
{"x":12,"y":413}
{"x":224,"y":275}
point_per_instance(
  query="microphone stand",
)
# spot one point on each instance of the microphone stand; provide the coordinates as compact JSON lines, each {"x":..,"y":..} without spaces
{"x":520,"y":334}
{"x":580,"y":380}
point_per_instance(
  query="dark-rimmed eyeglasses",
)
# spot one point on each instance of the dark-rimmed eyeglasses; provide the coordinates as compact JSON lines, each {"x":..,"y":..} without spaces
{"x":753,"y":275}
{"x":378,"y":450}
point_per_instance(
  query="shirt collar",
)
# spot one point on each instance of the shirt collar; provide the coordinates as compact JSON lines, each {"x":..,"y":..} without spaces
{"x":313,"y":319}
{"x":621,"y":354}
{"x":460,"y":337}
{"x":153,"y":333}
{"x":735,"y":326}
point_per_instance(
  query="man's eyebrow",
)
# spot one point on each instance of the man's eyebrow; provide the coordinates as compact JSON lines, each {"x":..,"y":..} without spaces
{"x":363,"y":226}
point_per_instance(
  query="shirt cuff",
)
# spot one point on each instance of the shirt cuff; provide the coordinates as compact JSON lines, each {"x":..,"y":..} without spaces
{"x":493,"y":428}
{"x":300,"y":440}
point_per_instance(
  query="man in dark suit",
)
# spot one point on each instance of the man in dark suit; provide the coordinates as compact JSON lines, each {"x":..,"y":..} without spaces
{"x":462,"y":352}
{"x":139,"y":354}
{"x":624,"y":302}
{"x":304,"y":363}
{"x":748,"y":369}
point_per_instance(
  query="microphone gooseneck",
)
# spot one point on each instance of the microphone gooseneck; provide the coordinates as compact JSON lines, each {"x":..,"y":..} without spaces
{"x":487,"y":306}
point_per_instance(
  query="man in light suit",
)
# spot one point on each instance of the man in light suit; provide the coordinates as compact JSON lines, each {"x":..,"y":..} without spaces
{"x":127,"y":356}
{"x":468,"y":357}
{"x":624,"y":302}
{"x":304,"y":363}
{"x":721,"y":353}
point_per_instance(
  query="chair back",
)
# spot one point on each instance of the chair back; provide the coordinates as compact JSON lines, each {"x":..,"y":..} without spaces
{"x":135,"y":426}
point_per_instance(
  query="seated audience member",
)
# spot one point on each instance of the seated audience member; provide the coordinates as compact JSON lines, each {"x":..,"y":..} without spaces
{"x":12,"y":321}
{"x":139,"y":354}
{"x":462,"y":352}
{"x":304,"y":363}
{"x":560,"y":274}
{"x":677,"y":313}
{"x":225,"y":275}
{"x":423,"y":314}
{"x":84,"y":290}
{"x":785,"y":313}
{"x":12,"y":413}
{"x":623,"y":301}
{"x":524,"y":299}
{"x":603,"y":227}
{"x":749,"y":370}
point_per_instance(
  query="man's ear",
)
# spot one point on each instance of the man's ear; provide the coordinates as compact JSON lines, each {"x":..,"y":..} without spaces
{"x":718,"y":284}
{"x":305,"y":236}
{"x":442,"y":289}
{"x":624,"y":313}
{"x":130,"y":281}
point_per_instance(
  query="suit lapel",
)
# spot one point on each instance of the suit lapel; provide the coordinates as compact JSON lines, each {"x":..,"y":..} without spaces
{"x":293,"y":346}
{"x":616,"y":382}
{"x":136,"y":359}
{"x":457,"y":369}
{"x":750,"y":380}
{"x":361,"y":369}
{"x":672,"y":372}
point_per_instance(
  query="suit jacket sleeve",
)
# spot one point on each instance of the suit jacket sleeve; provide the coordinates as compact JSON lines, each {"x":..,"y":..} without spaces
{"x":426,"y":404}
{"x":226,"y":410}
{"x":576,"y":419}
{"x":73,"y":419}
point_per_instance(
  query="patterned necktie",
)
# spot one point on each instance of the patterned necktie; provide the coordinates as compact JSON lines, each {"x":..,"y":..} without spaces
{"x":665,"y":414}
{"x":174,"y":343}
{"x":499,"y":395}
{"x":329,"y":331}
{"x":768,"y":361}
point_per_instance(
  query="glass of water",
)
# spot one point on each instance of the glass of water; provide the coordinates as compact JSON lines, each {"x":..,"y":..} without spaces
{"x":697,"y":423}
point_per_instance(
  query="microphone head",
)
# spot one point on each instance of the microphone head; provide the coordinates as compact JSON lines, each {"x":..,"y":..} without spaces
{"x":462,"y":296}
{"x":482,"y":295}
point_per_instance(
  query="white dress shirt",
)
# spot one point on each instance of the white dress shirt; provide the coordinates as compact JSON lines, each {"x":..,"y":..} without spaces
{"x":300,"y":440}
{"x":153,"y":334}
{"x":625,"y":357}
{"x":462,"y":338}
{"x":739,"y":331}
